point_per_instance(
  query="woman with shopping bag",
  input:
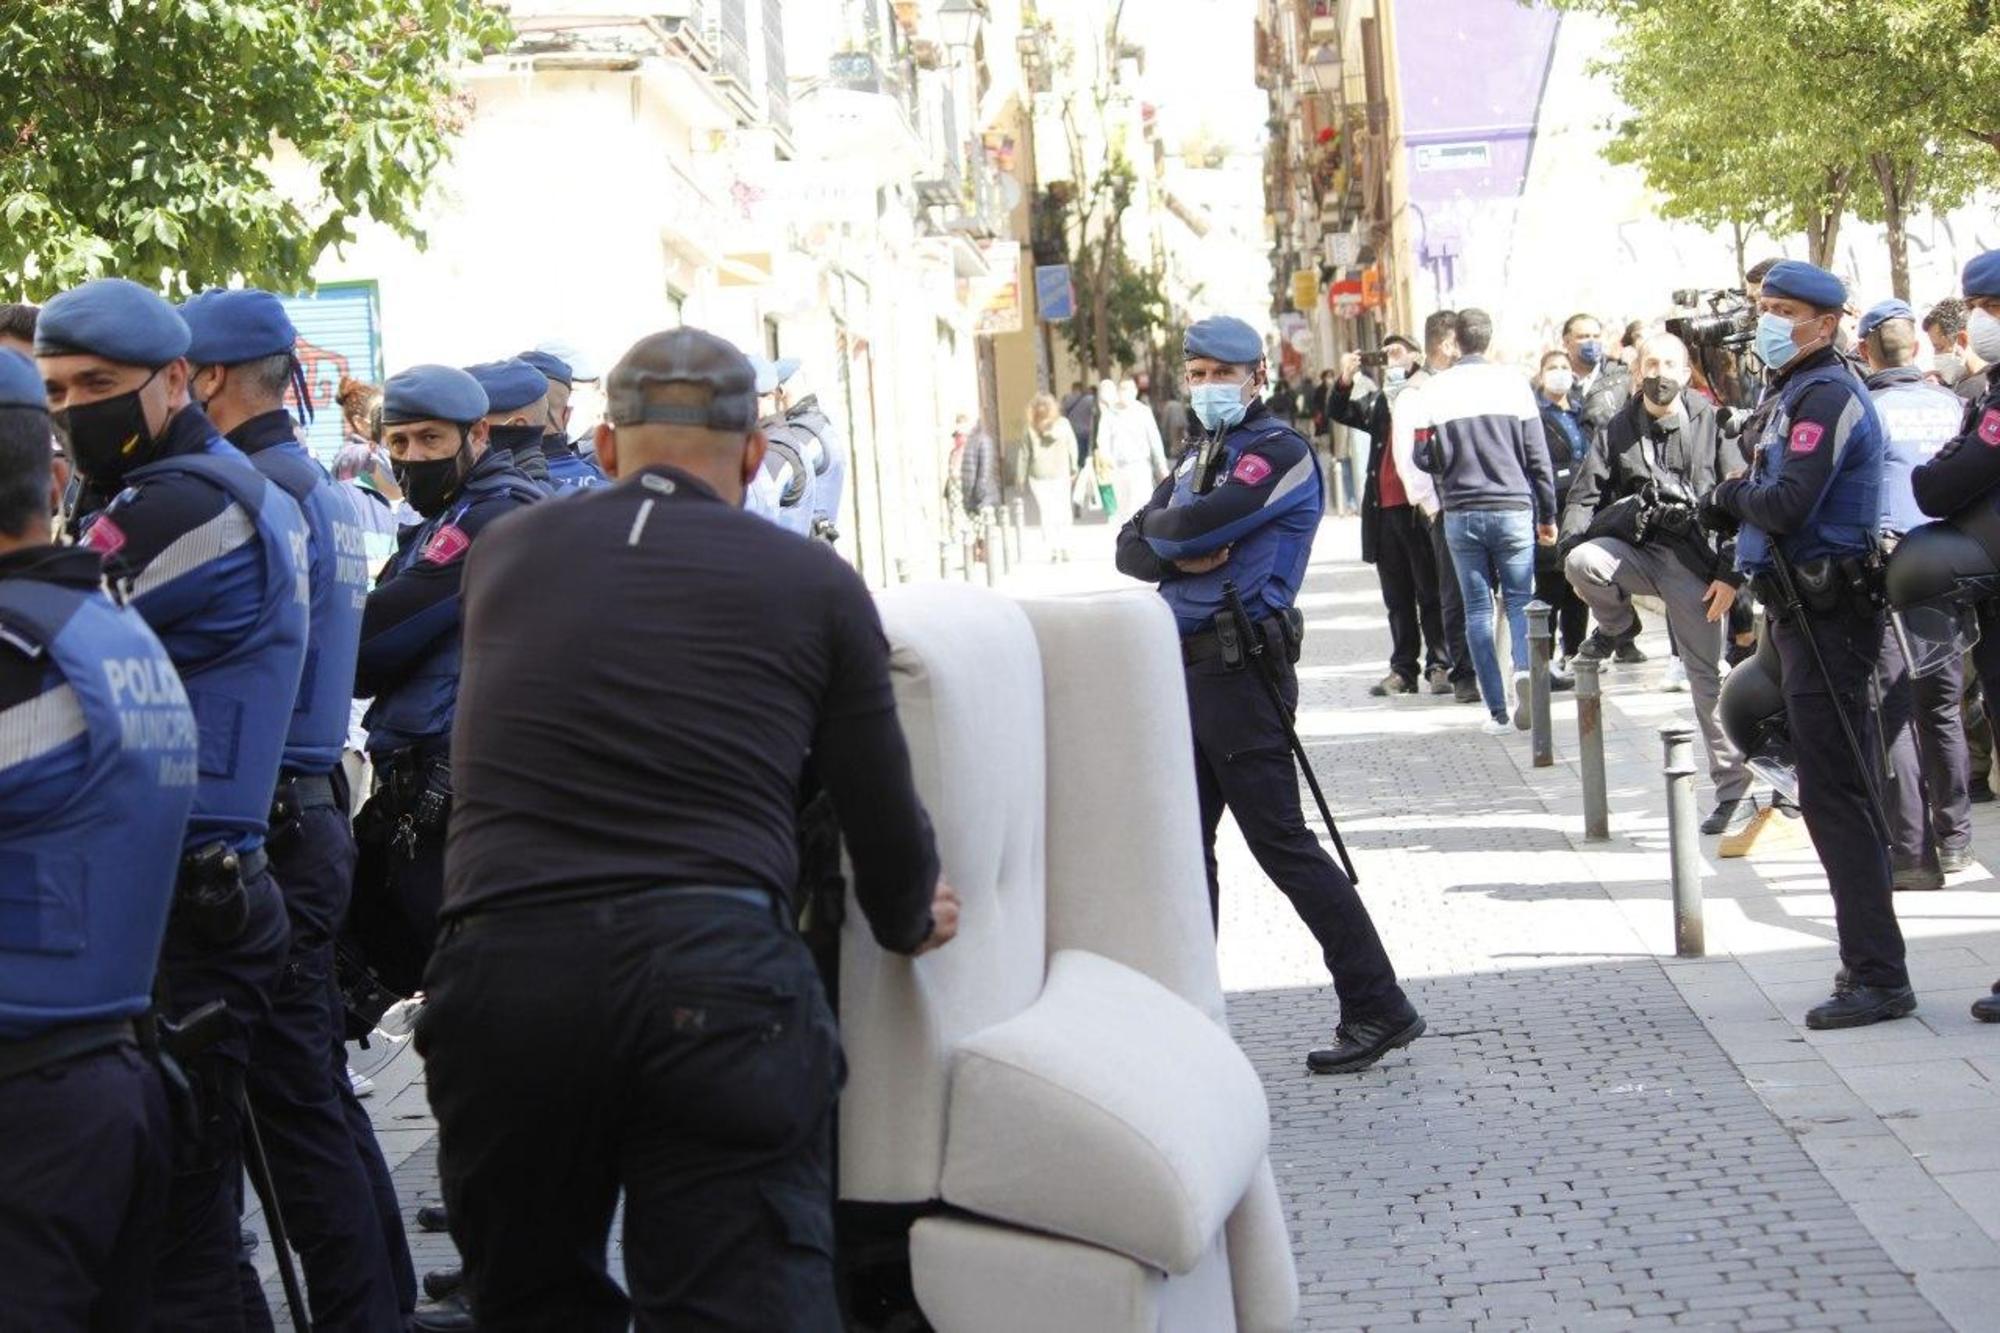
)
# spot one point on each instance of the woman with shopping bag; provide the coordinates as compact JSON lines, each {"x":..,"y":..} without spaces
{"x":1048,"y":467}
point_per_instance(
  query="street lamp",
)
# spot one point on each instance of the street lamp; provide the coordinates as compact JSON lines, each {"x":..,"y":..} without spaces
{"x":1324,"y":66}
{"x":960,"y":22}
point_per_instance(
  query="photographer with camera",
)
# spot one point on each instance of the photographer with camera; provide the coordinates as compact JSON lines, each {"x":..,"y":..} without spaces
{"x":1629,"y":528}
{"x":1395,"y":538}
{"x":1809,"y":511}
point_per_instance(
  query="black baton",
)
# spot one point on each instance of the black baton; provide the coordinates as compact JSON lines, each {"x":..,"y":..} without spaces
{"x":1795,"y":606}
{"x":1255,"y":643}
{"x":259,"y":1167}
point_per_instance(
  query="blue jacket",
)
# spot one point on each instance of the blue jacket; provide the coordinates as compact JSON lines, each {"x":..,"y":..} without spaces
{"x":217,"y":559}
{"x":1265,"y":505}
{"x":409,"y":657}
{"x":568,"y":470}
{"x":97,"y":775}
{"x":1816,"y":481}
{"x":338,"y":569}
{"x":1918,"y":419}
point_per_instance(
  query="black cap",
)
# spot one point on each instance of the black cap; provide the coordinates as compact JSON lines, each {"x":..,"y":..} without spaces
{"x":683,"y":356}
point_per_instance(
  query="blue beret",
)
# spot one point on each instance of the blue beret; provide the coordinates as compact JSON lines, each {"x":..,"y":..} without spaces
{"x":554,"y":369}
{"x":228,"y":328}
{"x":1805,"y":282}
{"x":20,"y":382}
{"x":509,"y":384}
{"x":770,"y":374}
{"x":115,"y":319}
{"x":1882,"y":311}
{"x":433,"y":393}
{"x":1221,"y":338}
{"x":1982,"y":274}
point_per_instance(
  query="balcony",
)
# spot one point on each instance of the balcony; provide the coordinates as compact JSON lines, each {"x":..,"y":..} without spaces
{"x":1323,"y":21}
{"x":861,"y":111}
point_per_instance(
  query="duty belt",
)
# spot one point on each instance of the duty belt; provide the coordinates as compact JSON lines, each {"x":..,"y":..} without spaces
{"x":308,"y":791}
{"x":65,"y":1043}
{"x":1206,"y":645}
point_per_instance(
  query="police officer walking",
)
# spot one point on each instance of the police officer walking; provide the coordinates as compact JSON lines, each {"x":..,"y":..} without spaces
{"x":96,"y":782}
{"x":215,"y":557}
{"x":629,"y":749}
{"x":434,"y":424}
{"x":1809,"y":510}
{"x":1242,"y":509}
{"x":1930,"y":810}
{"x":1958,"y":481}
{"x":332,"y":1182}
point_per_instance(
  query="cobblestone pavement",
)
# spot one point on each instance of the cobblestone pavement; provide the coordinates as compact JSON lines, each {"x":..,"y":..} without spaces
{"x":1590,"y":1135}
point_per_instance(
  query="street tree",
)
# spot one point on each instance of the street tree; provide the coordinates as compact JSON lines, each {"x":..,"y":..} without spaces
{"x":141,"y":136}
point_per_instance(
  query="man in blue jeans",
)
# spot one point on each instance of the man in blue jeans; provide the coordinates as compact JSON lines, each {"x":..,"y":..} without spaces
{"x":1480,"y":436}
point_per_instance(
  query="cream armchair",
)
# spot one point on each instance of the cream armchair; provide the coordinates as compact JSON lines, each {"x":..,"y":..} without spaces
{"x":1060,"y":1078}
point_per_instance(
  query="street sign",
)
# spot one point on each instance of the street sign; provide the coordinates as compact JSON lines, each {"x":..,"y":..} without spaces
{"x":1055,"y":295}
{"x":999,"y":304}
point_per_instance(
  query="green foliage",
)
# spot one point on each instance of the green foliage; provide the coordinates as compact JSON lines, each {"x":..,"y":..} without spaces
{"x":1786,"y":115}
{"x":1120,"y":305}
{"x":141,"y":133}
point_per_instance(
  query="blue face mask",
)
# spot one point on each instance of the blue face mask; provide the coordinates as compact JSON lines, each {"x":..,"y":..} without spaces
{"x":1591,"y":350}
{"x":1218,"y":406}
{"x":1775,"y":347}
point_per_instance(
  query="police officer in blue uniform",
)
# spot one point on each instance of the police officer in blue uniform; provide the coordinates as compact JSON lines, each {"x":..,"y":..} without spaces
{"x":1960,"y":478}
{"x":434,"y":423}
{"x":333,"y":1184}
{"x":96,"y":781}
{"x":1243,"y":508}
{"x":568,"y":470}
{"x":1930,"y":809}
{"x":803,"y":456}
{"x":215,"y":557}
{"x":1813,"y":498}
{"x":517,"y":397}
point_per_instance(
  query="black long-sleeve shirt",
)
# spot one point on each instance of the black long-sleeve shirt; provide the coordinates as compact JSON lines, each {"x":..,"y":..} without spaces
{"x":646,"y":726}
{"x":1967,"y":467}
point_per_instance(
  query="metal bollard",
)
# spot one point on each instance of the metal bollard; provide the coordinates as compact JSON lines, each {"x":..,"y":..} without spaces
{"x":902,"y":570}
{"x":1541,"y":645}
{"x":996,"y":543}
{"x":1683,"y":843}
{"x":1010,"y":536}
{"x":968,"y":554}
{"x":1590,"y":740}
{"x":1017,"y":514}
{"x":944,"y":558}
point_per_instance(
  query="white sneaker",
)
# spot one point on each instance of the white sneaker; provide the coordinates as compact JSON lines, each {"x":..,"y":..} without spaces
{"x":401,"y":1017}
{"x":1522,"y":720}
{"x":363,"y":1085}
{"x":1496,"y":726}
{"x":1675,"y":680}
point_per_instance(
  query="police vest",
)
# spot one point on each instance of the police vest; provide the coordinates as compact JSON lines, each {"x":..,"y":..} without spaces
{"x":1847,"y":515}
{"x":339,"y":565}
{"x":1268,"y":565}
{"x":243,"y":695}
{"x":422,"y":705}
{"x":109,"y":751}
{"x":569,"y":473}
{"x":1917,"y":421}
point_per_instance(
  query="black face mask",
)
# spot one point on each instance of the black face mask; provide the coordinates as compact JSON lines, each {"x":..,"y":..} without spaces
{"x":516,"y":440}
{"x":107,"y":438}
{"x":1660,"y":390}
{"x":430,"y":484}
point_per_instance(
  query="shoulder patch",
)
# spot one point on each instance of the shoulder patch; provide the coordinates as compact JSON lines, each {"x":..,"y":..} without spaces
{"x":104,"y":536}
{"x":1805,"y":437}
{"x":1251,"y":469}
{"x":1989,"y":428}
{"x":447,"y":544}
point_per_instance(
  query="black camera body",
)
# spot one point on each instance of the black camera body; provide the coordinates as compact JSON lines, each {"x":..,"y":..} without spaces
{"x":1730,"y":321}
{"x":1375,"y":360}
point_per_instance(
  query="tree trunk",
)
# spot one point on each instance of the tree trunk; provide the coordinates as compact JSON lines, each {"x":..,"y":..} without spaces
{"x":1897,"y":180}
{"x":1736,"y":234}
{"x":1823,"y":229}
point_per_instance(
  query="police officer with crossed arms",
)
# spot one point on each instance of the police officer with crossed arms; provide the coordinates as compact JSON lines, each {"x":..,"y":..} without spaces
{"x":214,"y":555}
{"x":1243,"y":508}
{"x":97,"y":775}
{"x":1811,"y":503}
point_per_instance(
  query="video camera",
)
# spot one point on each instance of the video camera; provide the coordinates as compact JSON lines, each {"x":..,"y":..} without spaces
{"x":1730,"y":323}
{"x":1376,"y":359}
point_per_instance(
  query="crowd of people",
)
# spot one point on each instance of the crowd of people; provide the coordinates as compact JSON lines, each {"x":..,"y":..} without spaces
{"x":1591,"y":475}
{"x":210,"y":646}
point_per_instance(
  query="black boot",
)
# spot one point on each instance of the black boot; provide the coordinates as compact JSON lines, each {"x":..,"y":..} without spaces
{"x":1854,"y":1006}
{"x":432,"y":1217}
{"x":442,"y":1282}
{"x":451,"y":1315}
{"x":1987,"y":1007}
{"x":1360,"y":1043}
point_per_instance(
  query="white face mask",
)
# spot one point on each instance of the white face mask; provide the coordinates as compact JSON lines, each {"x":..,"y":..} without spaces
{"x":1949,"y":367}
{"x":1985,"y":331}
{"x":1558,"y":382}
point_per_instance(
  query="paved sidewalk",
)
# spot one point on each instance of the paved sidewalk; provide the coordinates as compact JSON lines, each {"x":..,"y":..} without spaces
{"x":1593,"y":1134}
